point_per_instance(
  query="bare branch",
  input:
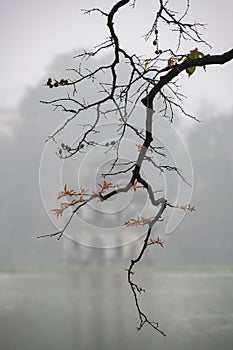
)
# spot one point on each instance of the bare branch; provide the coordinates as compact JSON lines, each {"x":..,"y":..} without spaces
{"x":143,"y":80}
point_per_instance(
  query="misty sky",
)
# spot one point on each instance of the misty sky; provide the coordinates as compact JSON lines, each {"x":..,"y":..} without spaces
{"x":33,"y":34}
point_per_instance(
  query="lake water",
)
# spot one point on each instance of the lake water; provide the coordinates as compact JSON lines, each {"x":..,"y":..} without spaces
{"x":95,"y":310}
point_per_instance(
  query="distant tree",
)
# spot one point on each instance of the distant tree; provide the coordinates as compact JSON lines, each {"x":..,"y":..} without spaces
{"x":144,"y":81}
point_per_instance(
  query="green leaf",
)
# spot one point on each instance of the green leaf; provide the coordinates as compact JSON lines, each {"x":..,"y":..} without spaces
{"x":190,"y":70}
{"x":193,"y":54}
{"x":196,"y":54}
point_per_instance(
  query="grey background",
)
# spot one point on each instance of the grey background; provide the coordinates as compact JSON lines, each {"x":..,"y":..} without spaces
{"x":59,"y":294}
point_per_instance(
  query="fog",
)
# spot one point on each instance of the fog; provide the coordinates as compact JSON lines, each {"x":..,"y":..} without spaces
{"x":202,"y":238}
{"x":73,"y":293}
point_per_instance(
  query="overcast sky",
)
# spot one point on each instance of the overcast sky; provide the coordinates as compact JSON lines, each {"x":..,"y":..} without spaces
{"x":33,"y":33}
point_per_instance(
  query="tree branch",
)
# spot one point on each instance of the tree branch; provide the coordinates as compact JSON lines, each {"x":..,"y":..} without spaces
{"x":146,"y":77}
{"x":178,"y":68}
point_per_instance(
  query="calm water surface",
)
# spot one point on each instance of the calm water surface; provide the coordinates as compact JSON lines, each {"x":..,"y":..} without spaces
{"x":95,"y":310}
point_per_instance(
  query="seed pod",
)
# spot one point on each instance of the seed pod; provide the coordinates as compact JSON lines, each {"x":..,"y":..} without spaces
{"x":49,"y":81}
{"x":155,"y":42}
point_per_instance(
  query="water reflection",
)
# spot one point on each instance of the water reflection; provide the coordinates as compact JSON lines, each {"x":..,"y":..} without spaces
{"x":94,"y":310}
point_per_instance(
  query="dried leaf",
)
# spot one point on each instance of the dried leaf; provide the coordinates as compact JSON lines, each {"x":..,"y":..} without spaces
{"x":146,"y":62}
{"x":66,"y":192}
{"x":106,"y":186}
{"x":171,"y":61}
{"x":156,"y":241}
{"x":136,"y":222}
{"x":58,"y":212}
